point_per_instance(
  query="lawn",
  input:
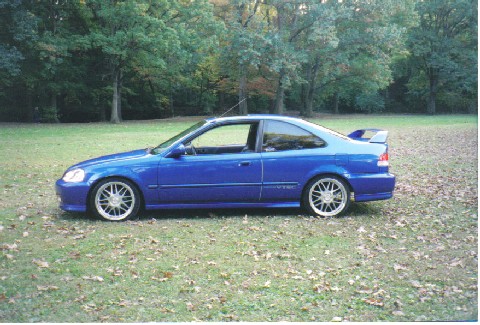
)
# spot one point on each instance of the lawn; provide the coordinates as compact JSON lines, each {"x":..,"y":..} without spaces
{"x":411,"y":258}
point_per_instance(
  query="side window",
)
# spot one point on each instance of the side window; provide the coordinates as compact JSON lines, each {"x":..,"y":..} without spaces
{"x":232,"y":138}
{"x":281,"y":136}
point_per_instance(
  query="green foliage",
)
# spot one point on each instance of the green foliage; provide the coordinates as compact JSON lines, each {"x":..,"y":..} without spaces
{"x":444,"y":50}
{"x":152,"y":59}
{"x":370,"y":102}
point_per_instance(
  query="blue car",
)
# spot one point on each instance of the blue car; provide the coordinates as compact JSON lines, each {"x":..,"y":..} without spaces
{"x":254,"y":161}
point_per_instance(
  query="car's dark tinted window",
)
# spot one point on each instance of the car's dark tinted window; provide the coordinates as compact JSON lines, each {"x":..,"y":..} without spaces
{"x":281,"y":136}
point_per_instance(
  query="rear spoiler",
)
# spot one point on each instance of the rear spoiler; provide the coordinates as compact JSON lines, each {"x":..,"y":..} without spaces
{"x":379,"y":136}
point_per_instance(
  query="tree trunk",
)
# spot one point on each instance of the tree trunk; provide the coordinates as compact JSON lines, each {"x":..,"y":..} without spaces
{"x":242,"y":90}
{"x":309,"y":101}
{"x":303,"y":95}
{"x":30,"y":109}
{"x":432,"y":98}
{"x":53,"y":107}
{"x":278,"y":107}
{"x":312,"y":82}
{"x":171,"y":103}
{"x":116,"y":116}
{"x":119,"y":95}
{"x":335,"y":104}
{"x":221,"y":100}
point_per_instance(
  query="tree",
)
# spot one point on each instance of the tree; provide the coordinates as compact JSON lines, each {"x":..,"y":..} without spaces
{"x":444,"y":48}
{"x":149,"y":36}
{"x":351,"y":48}
{"x":321,"y":43}
{"x":291,"y":20}
{"x":244,"y":44}
{"x":19,"y":32}
{"x":52,"y":47}
{"x":17,"y":25}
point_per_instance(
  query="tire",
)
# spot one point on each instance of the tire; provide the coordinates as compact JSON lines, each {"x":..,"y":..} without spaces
{"x":326,"y":196}
{"x":115,"y":199}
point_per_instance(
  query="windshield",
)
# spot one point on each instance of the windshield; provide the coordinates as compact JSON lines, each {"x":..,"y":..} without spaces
{"x":161,"y":148}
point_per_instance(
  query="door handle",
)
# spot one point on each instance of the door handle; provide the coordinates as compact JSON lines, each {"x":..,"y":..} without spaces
{"x":244,"y":163}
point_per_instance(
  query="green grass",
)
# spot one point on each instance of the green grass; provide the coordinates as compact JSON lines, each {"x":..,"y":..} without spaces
{"x":411,"y":258}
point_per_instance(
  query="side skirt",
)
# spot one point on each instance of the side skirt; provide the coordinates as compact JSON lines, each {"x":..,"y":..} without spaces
{"x":223,"y":205}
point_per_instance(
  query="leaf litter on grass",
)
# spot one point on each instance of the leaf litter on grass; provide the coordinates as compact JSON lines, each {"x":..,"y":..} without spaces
{"x":410,"y":258}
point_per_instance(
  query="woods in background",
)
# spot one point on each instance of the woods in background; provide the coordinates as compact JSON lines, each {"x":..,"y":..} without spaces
{"x":95,"y":60}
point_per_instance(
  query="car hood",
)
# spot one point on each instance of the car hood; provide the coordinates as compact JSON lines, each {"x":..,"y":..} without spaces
{"x":113,"y":158}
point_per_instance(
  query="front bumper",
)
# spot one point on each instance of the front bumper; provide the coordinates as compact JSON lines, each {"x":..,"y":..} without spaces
{"x":73,"y":196}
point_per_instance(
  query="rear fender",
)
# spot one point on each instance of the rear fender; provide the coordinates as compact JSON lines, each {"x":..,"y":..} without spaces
{"x":338,"y":171}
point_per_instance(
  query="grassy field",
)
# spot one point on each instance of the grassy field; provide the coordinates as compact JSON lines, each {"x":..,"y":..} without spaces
{"x":411,"y":258}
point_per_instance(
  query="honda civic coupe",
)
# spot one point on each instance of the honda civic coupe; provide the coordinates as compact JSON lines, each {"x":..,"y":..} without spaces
{"x":254,"y":161}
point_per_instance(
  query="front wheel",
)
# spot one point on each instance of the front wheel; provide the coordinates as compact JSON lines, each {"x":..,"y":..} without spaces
{"x":115,"y":200}
{"x":326,"y":196}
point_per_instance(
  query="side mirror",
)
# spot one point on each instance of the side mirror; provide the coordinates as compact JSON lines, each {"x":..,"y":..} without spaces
{"x":177,"y":151}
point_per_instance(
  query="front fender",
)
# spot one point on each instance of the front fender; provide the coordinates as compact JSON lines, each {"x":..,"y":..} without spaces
{"x":145,"y":178}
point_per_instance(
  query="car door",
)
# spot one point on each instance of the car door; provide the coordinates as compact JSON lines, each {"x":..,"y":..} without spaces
{"x":221,"y":165}
{"x":289,"y":154}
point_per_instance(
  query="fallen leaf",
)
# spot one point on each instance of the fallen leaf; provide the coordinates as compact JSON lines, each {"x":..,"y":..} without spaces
{"x":47,"y":288}
{"x":41,"y":264}
{"x":322,"y":287}
{"x":93,"y":278}
{"x":8,"y":247}
{"x":190,"y":306}
{"x":374,"y":302}
{"x":416,"y":284}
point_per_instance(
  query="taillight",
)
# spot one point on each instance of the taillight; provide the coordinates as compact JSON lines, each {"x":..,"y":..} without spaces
{"x":383,"y":160}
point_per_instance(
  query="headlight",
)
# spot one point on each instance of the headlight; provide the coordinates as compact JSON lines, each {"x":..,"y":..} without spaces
{"x":74,"y":176}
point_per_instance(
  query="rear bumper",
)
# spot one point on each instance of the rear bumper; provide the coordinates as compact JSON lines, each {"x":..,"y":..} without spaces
{"x":72,"y":196}
{"x":372,"y":187}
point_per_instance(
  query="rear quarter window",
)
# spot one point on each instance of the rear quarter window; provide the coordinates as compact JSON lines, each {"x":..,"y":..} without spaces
{"x":282,"y":136}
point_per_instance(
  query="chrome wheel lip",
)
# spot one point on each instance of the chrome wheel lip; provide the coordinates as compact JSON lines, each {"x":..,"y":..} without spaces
{"x":115,"y":200}
{"x":328,"y":197}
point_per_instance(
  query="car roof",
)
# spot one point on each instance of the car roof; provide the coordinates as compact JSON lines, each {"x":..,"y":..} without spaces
{"x":253,"y":117}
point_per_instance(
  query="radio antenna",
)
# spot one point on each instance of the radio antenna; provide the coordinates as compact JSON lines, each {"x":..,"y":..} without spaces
{"x":237,"y":104}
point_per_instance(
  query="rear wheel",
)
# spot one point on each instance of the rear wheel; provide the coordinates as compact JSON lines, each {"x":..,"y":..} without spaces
{"x":115,"y":199}
{"x":326,"y":196}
